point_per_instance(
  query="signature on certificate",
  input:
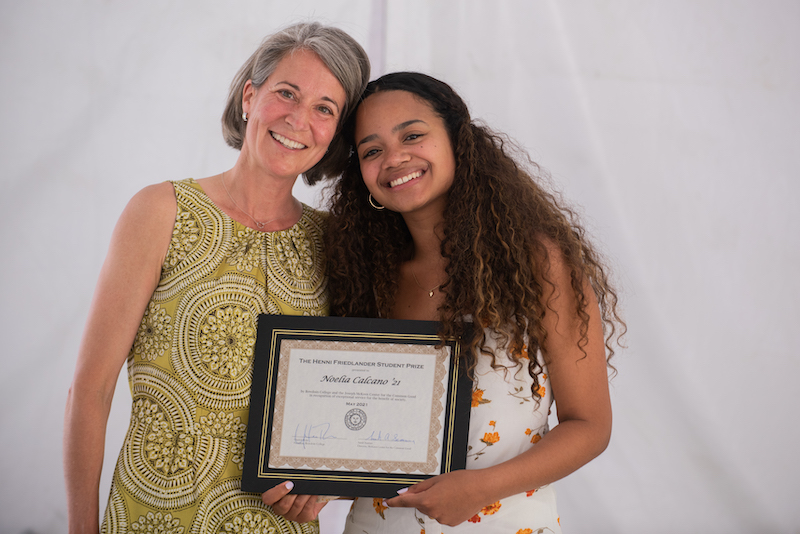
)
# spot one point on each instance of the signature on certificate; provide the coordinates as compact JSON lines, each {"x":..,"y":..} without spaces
{"x":313,"y":434}
{"x":389,"y":436}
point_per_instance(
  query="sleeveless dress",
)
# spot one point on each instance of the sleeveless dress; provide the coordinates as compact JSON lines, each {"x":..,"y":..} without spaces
{"x":504,"y":422}
{"x":179,"y":471}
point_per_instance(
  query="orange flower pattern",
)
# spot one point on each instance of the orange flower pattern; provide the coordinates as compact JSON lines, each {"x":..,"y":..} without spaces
{"x":505,"y":420}
{"x":377,"y":503}
{"x":535,"y":437}
{"x":491,"y":509}
{"x":488,"y":439}
{"x":477,"y":398}
{"x":491,"y":439}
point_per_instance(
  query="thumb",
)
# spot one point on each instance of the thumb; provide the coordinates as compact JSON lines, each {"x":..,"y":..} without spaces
{"x":273,"y":495}
{"x":404,"y":493}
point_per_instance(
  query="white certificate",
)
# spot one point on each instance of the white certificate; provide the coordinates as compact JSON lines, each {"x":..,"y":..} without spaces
{"x":349,"y":407}
{"x":354,"y":407}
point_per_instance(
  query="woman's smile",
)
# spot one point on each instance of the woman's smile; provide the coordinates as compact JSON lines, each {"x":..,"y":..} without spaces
{"x":405,"y":179}
{"x":285,"y":141}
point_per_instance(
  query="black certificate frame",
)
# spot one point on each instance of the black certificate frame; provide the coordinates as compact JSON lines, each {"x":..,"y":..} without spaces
{"x":273,"y":330}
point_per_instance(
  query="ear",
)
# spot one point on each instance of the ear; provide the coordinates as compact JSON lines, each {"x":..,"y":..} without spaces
{"x":247,"y":95}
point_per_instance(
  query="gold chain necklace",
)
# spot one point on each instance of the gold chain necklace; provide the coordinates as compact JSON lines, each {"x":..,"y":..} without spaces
{"x":429,"y":291}
{"x":259,"y":224}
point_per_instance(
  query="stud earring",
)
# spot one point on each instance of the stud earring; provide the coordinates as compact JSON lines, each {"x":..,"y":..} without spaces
{"x":374,"y":204}
{"x":244,"y":116}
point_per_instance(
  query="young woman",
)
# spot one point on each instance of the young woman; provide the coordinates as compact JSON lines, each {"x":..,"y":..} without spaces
{"x":434,"y":219}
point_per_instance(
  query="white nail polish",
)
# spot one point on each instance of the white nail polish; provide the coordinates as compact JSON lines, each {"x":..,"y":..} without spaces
{"x":289,"y":485}
{"x":402,"y":491}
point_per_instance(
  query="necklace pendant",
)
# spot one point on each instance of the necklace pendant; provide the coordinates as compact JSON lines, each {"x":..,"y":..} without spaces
{"x":430,"y":293}
{"x":260,"y":224}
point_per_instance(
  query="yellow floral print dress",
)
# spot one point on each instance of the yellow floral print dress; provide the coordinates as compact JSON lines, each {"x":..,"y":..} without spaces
{"x":504,"y":422}
{"x":189,"y":370}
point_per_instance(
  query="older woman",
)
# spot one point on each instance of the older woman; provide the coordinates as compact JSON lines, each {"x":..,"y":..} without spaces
{"x":190,"y":266}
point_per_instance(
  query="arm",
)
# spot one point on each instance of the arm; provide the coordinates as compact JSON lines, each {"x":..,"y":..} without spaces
{"x":580,"y":389}
{"x":127,"y":280}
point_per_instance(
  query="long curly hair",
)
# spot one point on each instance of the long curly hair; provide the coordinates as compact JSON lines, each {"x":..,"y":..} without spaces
{"x":498,"y":223}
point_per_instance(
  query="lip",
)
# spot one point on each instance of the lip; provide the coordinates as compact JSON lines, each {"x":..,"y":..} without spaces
{"x":404,"y":178}
{"x":287,"y":143}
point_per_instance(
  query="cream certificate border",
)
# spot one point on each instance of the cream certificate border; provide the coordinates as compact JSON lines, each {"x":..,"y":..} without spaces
{"x":360,"y":396}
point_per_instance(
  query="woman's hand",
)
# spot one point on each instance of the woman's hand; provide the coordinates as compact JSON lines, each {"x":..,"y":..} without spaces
{"x":300,"y":508}
{"x":450,"y":499}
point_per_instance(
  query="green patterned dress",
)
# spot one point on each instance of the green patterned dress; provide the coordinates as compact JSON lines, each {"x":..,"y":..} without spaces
{"x":189,"y":369}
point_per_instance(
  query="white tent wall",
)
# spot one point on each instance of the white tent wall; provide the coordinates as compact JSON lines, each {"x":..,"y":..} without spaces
{"x":669,"y":125}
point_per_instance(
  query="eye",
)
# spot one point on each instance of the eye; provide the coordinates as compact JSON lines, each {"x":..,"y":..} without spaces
{"x":285,"y":93}
{"x":325,"y":110}
{"x":369,"y":153}
{"x":412,"y":137}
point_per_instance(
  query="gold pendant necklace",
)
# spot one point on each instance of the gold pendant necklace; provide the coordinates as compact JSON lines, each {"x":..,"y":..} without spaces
{"x":429,"y":291}
{"x":259,"y":224}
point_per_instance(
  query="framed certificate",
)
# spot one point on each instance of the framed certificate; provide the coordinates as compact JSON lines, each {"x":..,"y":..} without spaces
{"x":354,"y":407}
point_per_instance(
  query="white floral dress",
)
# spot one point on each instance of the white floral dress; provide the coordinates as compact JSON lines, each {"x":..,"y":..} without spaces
{"x":505,"y":421}
{"x":180,"y":468}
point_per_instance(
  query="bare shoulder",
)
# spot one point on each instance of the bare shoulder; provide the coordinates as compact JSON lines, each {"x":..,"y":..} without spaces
{"x":571,"y":308}
{"x":147,"y":221}
{"x":556,"y":271}
{"x":154,"y":200}
{"x":152,"y":207}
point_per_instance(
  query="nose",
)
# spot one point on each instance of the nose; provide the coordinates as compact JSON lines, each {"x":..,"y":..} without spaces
{"x":298,"y":118}
{"x":395,"y":156}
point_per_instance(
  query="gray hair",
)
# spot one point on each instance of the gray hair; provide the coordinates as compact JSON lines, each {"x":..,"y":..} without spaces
{"x":344,"y":57}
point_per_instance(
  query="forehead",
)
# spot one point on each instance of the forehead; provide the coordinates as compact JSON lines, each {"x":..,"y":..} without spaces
{"x":387,"y":109}
{"x":305,"y":70}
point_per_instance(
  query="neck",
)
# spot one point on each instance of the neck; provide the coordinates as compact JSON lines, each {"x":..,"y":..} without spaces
{"x":426,"y":233}
{"x":421,"y":277}
{"x":261,"y":196}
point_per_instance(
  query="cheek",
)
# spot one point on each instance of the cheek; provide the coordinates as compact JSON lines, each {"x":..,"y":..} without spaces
{"x":325,"y":131}
{"x":368,"y":173}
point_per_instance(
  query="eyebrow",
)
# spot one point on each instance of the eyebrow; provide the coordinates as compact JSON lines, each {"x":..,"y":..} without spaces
{"x":397,"y":128}
{"x":297,"y":88}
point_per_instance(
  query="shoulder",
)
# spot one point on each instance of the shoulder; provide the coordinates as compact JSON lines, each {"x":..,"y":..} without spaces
{"x":154,"y":197}
{"x":550,"y":256}
{"x":154,"y":203}
{"x":148,"y":217}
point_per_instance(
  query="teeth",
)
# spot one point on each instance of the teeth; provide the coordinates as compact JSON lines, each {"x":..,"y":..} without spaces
{"x":288,"y":143}
{"x":405,"y":179}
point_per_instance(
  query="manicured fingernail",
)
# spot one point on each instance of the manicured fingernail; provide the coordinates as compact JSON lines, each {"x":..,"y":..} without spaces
{"x":386,"y":504}
{"x":402,"y":491}
{"x":289,"y":485}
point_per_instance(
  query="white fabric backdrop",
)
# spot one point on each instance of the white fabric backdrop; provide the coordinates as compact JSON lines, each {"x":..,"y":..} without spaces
{"x":669,"y":123}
